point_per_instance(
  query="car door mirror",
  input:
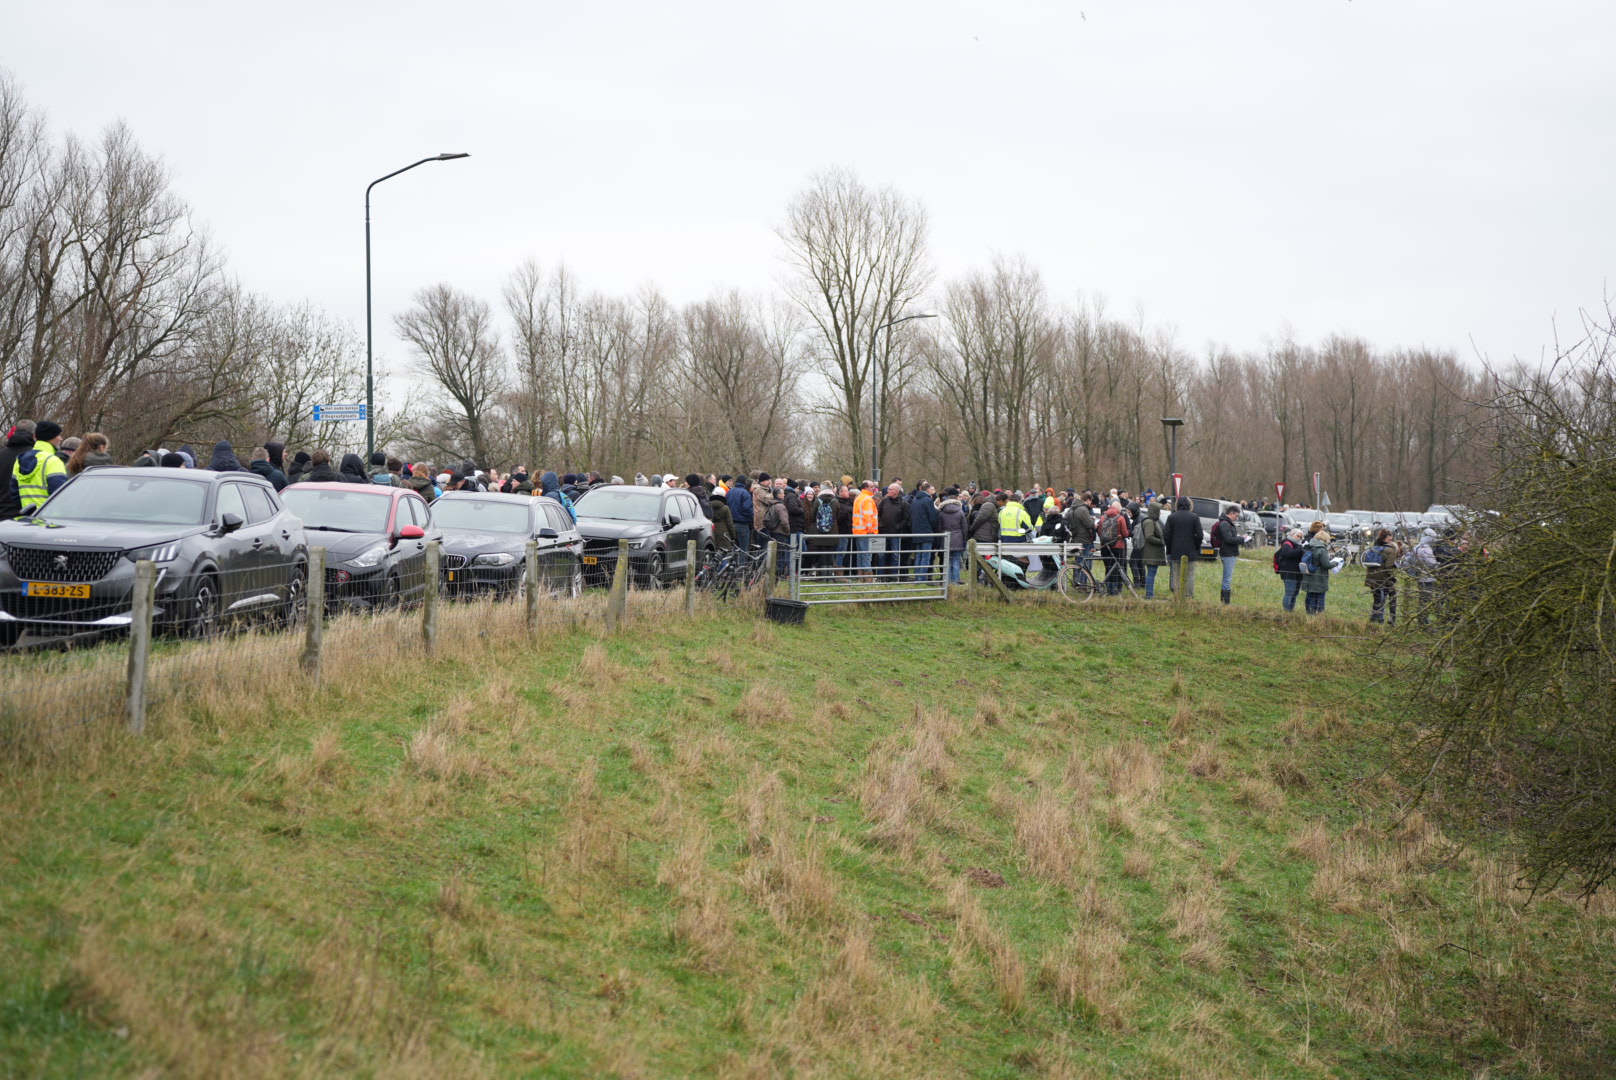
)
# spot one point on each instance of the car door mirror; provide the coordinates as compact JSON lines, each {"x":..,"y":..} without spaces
{"x":411,"y":532}
{"x":549,"y":534}
{"x":230,"y":523}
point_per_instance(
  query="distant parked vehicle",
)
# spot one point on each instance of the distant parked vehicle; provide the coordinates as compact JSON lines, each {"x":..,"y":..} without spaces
{"x":657,"y":522}
{"x":485,"y":537}
{"x":375,"y":539}
{"x":224,"y":545}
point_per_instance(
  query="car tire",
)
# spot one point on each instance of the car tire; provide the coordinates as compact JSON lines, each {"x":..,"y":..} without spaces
{"x":203,"y":619}
{"x":296,"y":607}
{"x":575,"y":580}
{"x":393,"y":597}
{"x":10,"y":633}
{"x":655,"y":570}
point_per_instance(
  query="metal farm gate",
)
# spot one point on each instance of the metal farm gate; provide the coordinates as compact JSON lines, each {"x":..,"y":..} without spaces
{"x":836,"y":570}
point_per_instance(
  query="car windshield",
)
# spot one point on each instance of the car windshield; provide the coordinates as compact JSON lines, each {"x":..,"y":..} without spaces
{"x":1340,"y":521}
{"x":1304,"y":517}
{"x":620,"y":505}
{"x":336,"y":510}
{"x":1207,"y":508}
{"x":133,"y":499}
{"x":484,"y":515}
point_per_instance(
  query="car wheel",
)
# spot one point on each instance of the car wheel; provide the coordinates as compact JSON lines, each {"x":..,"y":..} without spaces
{"x":204,"y":614}
{"x":575,"y":580}
{"x":394,"y":596}
{"x":519,"y":590}
{"x":297,"y":598}
{"x":655,"y":569}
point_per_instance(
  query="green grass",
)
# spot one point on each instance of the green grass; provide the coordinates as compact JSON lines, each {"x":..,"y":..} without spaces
{"x":718,"y":847}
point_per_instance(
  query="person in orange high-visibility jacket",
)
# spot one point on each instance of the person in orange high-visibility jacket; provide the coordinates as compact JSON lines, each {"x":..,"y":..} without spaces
{"x":866,"y":523}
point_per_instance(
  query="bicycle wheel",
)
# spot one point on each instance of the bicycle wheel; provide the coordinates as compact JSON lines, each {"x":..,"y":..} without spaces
{"x":1076,"y":583}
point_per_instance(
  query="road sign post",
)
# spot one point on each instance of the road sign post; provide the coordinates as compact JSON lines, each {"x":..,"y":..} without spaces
{"x":1178,"y":484}
{"x":1279,"y":493}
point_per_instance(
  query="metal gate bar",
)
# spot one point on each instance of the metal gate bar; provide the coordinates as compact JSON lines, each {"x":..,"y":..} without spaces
{"x":908,"y":567}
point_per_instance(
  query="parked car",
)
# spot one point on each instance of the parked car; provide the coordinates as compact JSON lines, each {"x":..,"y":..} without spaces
{"x":658,"y":523}
{"x":485,"y":537}
{"x":1273,"y":522}
{"x":1253,"y":530}
{"x":1209,"y":511}
{"x":375,"y":539}
{"x":224,"y":545}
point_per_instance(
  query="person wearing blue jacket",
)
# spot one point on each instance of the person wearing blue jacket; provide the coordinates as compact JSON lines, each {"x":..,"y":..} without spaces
{"x":740,"y":508}
{"x":549,"y":485}
{"x":923,"y":518}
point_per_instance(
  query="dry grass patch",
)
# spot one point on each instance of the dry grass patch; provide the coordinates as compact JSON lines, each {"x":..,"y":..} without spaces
{"x":1206,"y":762}
{"x":976,"y":936}
{"x":784,"y":874}
{"x":457,"y":900}
{"x":905,"y":777}
{"x":1197,"y":921}
{"x":1289,"y":774}
{"x":1132,"y":771}
{"x":704,"y":923}
{"x":1086,"y":971}
{"x":763,"y":703}
{"x":1259,"y":794}
{"x":1313,"y":842}
{"x":1182,"y":721}
{"x":1054,"y":838}
{"x":1137,"y":863}
{"x":432,"y":753}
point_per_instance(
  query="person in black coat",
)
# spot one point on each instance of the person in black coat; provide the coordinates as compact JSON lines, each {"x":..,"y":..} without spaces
{"x":320,"y":470}
{"x":1182,"y":534}
{"x":892,"y":517}
{"x":300,"y":467}
{"x":923,"y":518}
{"x":224,"y":458}
{"x":353,"y":470}
{"x":1288,"y":565}
{"x":18,"y":441}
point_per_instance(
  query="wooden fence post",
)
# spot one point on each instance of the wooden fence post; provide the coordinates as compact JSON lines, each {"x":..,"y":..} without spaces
{"x":771,"y":573}
{"x":531,"y":576}
{"x":140,"y":638}
{"x":429,"y":596}
{"x":314,"y":620}
{"x":690,"y":578}
{"x":993,"y":578}
{"x":968,"y":579}
{"x":617,"y":599}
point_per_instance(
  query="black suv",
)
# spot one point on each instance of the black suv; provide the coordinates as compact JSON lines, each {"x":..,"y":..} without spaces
{"x":657,"y":521}
{"x":223,"y":544}
{"x":485,"y":537}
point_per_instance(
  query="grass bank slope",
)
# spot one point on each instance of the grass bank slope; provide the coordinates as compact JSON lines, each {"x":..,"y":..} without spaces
{"x":962,"y":840}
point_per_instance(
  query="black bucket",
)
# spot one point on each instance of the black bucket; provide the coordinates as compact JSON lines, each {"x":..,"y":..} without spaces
{"x":790,"y":612}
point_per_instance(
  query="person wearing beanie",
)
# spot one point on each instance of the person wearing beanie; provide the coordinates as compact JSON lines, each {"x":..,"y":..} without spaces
{"x":300,"y":466}
{"x":377,"y":471}
{"x":185,"y":448}
{"x":640,"y":480}
{"x":66,"y":448}
{"x":224,"y":457}
{"x":173,"y":460}
{"x":18,"y":439}
{"x":38,"y":472}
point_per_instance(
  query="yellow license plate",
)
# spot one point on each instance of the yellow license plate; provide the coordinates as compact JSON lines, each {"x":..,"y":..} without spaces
{"x":451,"y":575}
{"x":45,"y":588}
{"x":591,"y":560}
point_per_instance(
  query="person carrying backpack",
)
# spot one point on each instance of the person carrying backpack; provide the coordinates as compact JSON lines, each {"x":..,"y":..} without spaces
{"x":1153,"y":547}
{"x":1287,"y":564}
{"x":1316,"y":569}
{"x":822,"y":528}
{"x":1380,"y":577}
{"x":1114,"y":532}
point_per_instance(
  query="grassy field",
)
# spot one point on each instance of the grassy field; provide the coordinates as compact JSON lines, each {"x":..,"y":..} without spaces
{"x":914,"y":840}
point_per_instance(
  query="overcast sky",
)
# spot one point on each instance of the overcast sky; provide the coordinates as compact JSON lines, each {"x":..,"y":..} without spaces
{"x":1415,"y":172}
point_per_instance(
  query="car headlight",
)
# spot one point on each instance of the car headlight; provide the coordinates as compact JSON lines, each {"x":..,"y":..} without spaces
{"x":495,"y":558}
{"x":370,"y":557}
{"x":157,"y":552}
{"x":641,"y":545}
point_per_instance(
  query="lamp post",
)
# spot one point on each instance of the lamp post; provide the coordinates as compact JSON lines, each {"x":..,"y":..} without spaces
{"x":1172,"y":424}
{"x":370,"y":377}
{"x":875,"y":398}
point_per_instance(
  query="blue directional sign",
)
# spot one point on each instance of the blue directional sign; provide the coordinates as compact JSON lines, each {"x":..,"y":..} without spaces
{"x":340,"y":412}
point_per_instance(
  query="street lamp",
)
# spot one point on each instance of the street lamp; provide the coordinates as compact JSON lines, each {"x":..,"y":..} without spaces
{"x":1172,"y":423}
{"x":875,"y":398}
{"x":370,"y":378}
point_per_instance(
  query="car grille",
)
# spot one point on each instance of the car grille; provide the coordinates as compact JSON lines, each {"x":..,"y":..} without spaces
{"x":42,"y":564}
{"x":600,"y":547}
{"x":53,"y":610}
{"x":453,"y":562}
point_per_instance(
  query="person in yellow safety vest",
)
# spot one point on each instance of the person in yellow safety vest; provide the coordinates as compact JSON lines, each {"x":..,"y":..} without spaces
{"x":1014,"y":524}
{"x":39,"y":472}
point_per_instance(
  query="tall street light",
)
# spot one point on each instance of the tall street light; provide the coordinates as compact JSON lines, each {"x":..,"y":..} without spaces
{"x":875,"y":398}
{"x":370,"y":376}
{"x":1172,"y":423}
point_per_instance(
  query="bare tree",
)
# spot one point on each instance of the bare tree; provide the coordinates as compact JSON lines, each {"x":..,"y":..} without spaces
{"x":746,"y":366}
{"x":859,"y":259}
{"x":457,"y":347}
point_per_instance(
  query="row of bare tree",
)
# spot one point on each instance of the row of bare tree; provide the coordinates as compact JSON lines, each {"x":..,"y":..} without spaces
{"x":117,"y":315}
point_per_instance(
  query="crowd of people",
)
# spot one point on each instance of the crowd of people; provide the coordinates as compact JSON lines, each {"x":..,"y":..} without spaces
{"x":860,"y":529}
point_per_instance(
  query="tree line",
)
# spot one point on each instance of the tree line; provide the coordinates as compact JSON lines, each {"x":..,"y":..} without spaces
{"x":118,"y":314}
